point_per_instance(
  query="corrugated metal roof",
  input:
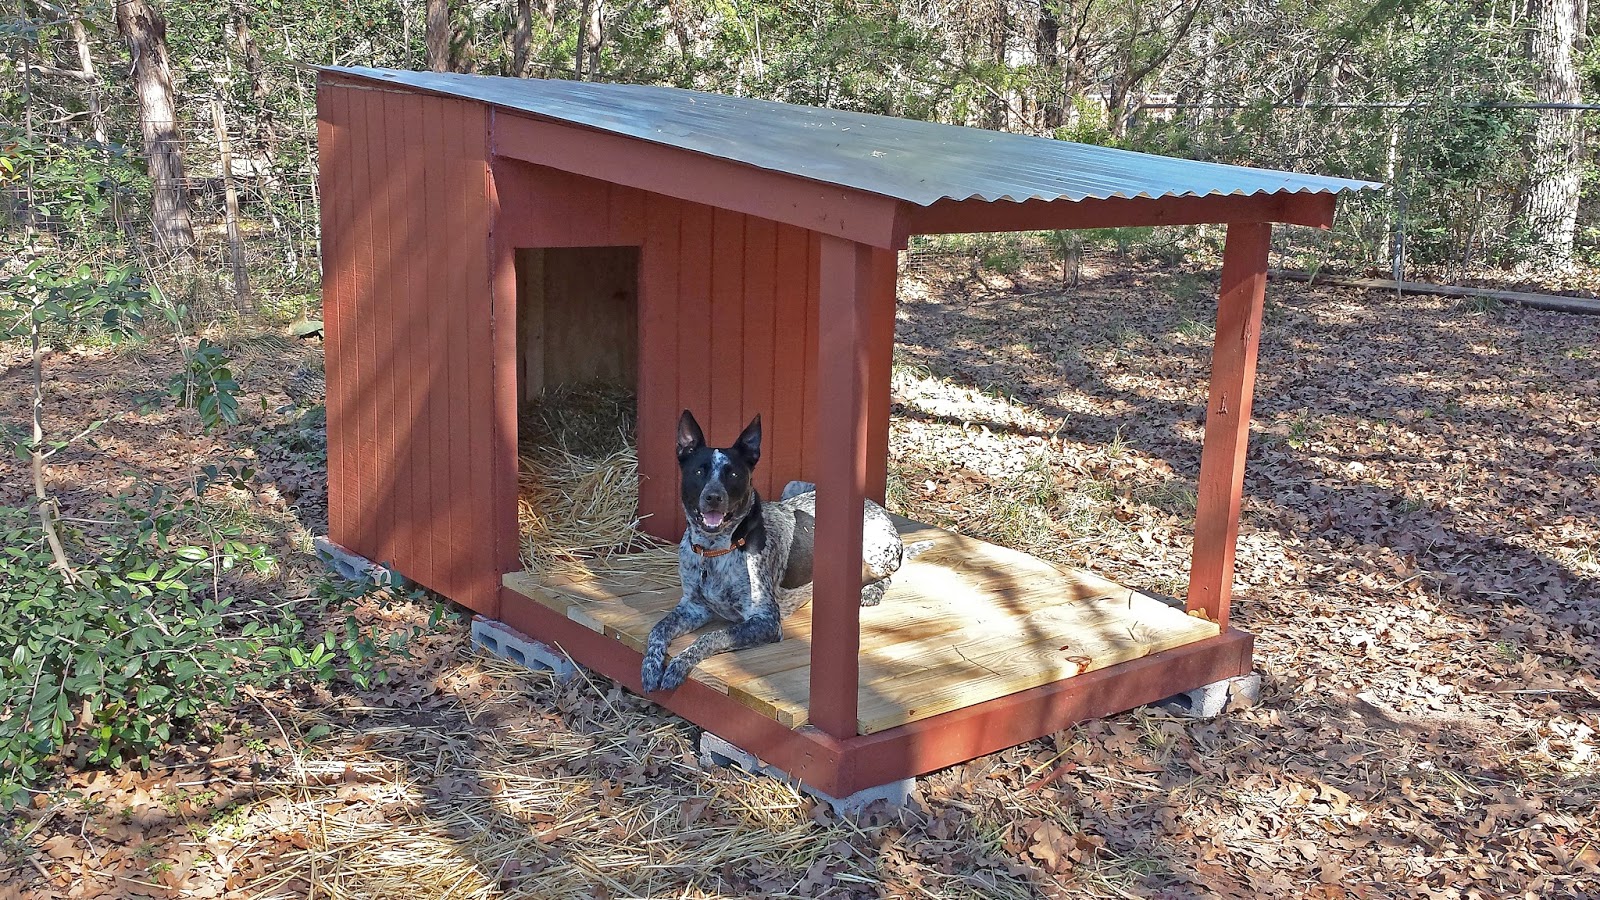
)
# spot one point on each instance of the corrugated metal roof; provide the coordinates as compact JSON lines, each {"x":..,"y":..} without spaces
{"x":919,"y":162}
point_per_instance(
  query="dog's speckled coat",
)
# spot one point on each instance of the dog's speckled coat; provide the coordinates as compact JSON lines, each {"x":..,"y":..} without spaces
{"x":756,"y":586}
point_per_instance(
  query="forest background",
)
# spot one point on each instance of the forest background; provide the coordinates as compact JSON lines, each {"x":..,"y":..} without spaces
{"x":158,"y":182}
{"x":194,"y":123}
{"x":158,"y":195}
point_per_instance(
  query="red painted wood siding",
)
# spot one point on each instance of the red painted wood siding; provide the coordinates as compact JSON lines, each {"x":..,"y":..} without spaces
{"x":727,"y":318}
{"x":406,"y":301}
{"x":420,"y":229}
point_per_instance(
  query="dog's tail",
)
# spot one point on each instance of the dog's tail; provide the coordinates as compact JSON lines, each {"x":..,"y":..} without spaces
{"x":912,"y":551}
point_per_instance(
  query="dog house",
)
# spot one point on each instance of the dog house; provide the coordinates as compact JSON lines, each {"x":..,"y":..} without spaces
{"x":484,"y":237}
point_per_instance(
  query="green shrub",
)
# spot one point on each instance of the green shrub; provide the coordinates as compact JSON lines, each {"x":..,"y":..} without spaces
{"x":116,"y":663}
{"x":1005,"y":260}
{"x":207,"y":384}
{"x":125,"y":660}
{"x":1123,"y":239}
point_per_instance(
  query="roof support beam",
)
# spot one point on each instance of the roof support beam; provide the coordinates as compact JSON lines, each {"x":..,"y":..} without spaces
{"x":880,"y":302}
{"x":1233,"y":380}
{"x":845,"y":367}
{"x":972,"y":216}
{"x":830,"y":209}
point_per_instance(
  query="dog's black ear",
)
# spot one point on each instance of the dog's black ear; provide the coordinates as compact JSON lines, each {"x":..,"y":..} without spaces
{"x":690,"y":437}
{"x":749,"y":442}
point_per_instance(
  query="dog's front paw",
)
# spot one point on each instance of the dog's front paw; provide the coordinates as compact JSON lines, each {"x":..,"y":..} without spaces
{"x":675,"y":674}
{"x":872,"y":594}
{"x":650,"y":674}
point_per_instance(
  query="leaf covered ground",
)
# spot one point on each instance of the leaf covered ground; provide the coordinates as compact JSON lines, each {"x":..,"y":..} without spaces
{"x":1419,"y":561}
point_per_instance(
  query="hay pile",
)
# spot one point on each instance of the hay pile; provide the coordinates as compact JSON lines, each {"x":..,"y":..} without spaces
{"x":579,"y":488}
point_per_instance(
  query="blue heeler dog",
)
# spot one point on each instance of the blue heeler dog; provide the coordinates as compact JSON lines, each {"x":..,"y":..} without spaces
{"x":746,"y":561}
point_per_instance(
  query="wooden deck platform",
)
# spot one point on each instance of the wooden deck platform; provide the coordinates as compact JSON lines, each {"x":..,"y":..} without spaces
{"x":964,"y":623}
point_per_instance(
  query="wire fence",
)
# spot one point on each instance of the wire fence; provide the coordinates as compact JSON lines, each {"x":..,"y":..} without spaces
{"x":94,"y":203}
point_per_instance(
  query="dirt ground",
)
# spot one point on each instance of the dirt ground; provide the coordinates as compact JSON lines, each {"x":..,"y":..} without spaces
{"x":1419,"y":561}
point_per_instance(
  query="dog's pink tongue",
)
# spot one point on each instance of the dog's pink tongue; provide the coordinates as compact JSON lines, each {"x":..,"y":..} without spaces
{"x":713,"y":519}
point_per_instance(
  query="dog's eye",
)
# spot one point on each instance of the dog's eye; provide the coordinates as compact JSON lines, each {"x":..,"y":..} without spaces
{"x":700,"y":471}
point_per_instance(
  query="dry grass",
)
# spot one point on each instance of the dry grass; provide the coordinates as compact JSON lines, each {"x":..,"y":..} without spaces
{"x":577,"y":512}
{"x":527,"y":788}
{"x":517,"y":786}
{"x":1418,"y":562}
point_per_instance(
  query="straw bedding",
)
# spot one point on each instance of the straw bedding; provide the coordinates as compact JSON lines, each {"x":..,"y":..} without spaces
{"x":579,"y":488}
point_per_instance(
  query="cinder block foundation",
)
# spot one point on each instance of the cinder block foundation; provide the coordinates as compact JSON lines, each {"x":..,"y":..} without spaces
{"x":716,"y":751}
{"x":507,"y":643}
{"x":1212,"y":700}
{"x":354,"y":567}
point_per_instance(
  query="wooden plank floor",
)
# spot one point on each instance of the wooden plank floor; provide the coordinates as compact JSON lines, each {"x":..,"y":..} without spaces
{"x":966,"y":622}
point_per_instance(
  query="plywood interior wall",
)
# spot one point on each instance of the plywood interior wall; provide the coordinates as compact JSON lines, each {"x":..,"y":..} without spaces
{"x":577,"y":317}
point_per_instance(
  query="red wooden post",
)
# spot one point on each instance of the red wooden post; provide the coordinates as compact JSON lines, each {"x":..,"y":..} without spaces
{"x":335,"y":184}
{"x":881,"y":301}
{"x":506,"y":401}
{"x":1233,"y":378}
{"x":844,"y":349}
{"x":658,"y":370}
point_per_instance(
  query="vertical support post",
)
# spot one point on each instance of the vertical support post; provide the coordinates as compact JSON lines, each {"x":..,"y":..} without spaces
{"x":530,"y":324}
{"x":844,"y":366}
{"x":506,"y":537}
{"x":658,"y":407}
{"x":881,"y":305}
{"x":1233,"y":378}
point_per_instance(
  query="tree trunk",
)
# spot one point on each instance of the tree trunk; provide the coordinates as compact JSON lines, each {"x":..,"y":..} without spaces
{"x":97,"y":116}
{"x":680,"y":27}
{"x":241,"y":278}
{"x":594,"y":36}
{"x":438,"y":35}
{"x":1117,"y":105}
{"x":145,"y":29}
{"x":1075,"y":52}
{"x":1048,"y":47}
{"x":405,"y":31}
{"x":521,"y":37}
{"x":253,"y":64}
{"x":995,"y":112}
{"x":1551,"y":204}
{"x":582,"y":41}
{"x":264,"y":131}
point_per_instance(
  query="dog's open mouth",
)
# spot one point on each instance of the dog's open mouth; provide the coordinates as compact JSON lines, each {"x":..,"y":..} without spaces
{"x":712,"y":519}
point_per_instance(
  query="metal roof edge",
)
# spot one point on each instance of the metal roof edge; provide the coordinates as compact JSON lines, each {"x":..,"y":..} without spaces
{"x":1328,"y":184}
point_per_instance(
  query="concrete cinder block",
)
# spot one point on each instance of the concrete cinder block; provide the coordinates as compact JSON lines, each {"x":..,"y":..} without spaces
{"x":354,"y":567}
{"x":716,"y":751}
{"x":1212,"y":700}
{"x":507,"y":643}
